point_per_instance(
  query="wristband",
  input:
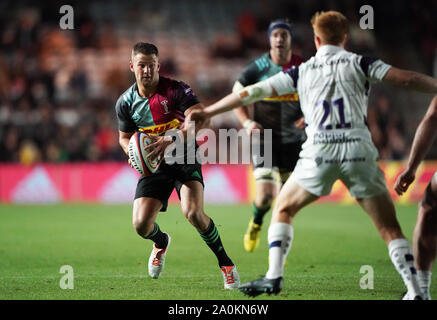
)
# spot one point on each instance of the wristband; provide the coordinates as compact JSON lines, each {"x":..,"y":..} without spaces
{"x":247,"y":123}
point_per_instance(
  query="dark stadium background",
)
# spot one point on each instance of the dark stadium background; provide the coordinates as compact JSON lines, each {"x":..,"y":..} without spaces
{"x":58,"y":87}
{"x":59,"y":146}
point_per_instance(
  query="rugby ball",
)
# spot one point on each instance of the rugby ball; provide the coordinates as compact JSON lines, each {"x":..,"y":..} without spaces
{"x":138,"y":155}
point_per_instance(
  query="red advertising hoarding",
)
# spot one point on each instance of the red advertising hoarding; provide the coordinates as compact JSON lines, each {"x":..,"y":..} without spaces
{"x":106,"y":183}
{"x":115,"y":183}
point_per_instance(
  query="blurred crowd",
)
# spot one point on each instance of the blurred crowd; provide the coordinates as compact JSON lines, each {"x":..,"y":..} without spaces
{"x":53,"y":109}
{"x":46,"y":112}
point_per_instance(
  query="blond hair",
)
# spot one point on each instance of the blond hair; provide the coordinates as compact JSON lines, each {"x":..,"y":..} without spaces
{"x":331,"y":26}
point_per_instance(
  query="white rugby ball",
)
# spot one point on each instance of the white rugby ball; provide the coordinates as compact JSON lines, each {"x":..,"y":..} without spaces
{"x":138,"y":156}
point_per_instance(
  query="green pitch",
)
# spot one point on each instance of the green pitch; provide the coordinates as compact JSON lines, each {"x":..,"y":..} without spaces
{"x":109,"y":260}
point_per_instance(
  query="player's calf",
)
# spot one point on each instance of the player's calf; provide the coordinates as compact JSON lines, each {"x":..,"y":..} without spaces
{"x":212,"y":238}
{"x":425,"y":240}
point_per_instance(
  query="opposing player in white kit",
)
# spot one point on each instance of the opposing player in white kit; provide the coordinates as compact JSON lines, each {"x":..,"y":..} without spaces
{"x":333,"y":89}
{"x":425,"y":232}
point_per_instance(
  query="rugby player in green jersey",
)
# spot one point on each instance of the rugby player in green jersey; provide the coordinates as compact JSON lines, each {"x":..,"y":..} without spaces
{"x":280,"y":114}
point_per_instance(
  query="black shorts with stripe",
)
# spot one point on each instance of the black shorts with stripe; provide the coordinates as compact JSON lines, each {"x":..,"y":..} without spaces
{"x":160,"y":185}
{"x":284,"y":156}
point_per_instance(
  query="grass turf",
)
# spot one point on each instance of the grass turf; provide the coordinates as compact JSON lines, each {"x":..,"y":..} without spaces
{"x":331,"y":244}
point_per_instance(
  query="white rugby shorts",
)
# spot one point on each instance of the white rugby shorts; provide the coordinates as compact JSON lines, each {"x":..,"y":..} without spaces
{"x":354,"y":163}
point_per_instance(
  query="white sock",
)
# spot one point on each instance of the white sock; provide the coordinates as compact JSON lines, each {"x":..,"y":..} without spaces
{"x":280,"y":237}
{"x":424,"y":279}
{"x":402,"y":257}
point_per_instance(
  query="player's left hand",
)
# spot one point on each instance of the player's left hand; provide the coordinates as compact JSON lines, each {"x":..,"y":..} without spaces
{"x":199,"y":117}
{"x":158,"y":147}
{"x":404,"y":181}
{"x":300,"y":123}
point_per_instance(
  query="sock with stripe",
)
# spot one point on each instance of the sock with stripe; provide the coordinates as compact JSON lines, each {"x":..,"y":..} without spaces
{"x":159,"y":237}
{"x":424,"y":279}
{"x":212,"y":238}
{"x":401,"y":254}
{"x":280,"y":237}
{"x":258,"y":214}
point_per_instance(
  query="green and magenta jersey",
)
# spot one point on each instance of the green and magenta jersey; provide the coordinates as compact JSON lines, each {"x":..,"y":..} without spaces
{"x":278,"y":113}
{"x":163,"y":111}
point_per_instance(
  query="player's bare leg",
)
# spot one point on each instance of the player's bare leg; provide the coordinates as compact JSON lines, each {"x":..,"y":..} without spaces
{"x":265,"y":193}
{"x":382,"y":212}
{"x":192,"y":207}
{"x":144,"y":214}
{"x":291,"y":199}
{"x":425,"y":238}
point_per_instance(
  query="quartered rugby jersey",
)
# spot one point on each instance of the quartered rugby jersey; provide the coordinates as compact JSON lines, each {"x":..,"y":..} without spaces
{"x":163,"y":111}
{"x":279,"y":113}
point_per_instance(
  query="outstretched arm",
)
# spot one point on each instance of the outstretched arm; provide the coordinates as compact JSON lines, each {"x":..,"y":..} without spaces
{"x":247,"y":95}
{"x":423,"y":139}
{"x":411,"y":80}
{"x":160,"y":143}
{"x":281,"y":83}
{"x":242,"y":113}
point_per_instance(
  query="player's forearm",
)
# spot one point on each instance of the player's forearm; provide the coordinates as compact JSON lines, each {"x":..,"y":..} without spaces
{"x":242,"y":114}
{"x":245,"y":96}
{"x":422,"y":142}
{"x":123,"y":140}
{"x":411,"y":80}
{"x":124,"y":143}
{"x":228,"y":103}
{"x":422,"y":82}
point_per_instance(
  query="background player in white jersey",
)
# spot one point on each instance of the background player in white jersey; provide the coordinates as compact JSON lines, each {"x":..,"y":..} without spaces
{"x":425,"y":232}
{"x":282,"y":115}
{"x":333,"y":91}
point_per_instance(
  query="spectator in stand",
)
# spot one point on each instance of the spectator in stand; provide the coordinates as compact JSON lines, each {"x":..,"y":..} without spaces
{"x":387,"y":129}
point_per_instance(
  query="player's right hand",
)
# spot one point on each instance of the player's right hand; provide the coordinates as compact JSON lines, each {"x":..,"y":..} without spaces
{"x":251,"y":125}
{"x":404,"y":181}
{"x":130,"y":163}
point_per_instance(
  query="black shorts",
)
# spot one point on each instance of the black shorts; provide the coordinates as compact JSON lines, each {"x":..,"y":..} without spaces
{"x":284,"y":156}
{"x":160,"y":185}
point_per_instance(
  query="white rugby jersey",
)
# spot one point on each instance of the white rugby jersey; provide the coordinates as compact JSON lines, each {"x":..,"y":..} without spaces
{"x":333,"y":88}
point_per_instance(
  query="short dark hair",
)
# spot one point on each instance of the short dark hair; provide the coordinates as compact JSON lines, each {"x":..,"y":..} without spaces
{"x":144,"y":48}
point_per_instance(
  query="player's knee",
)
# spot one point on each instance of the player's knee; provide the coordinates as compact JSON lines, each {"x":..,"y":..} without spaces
{"x":265,"y":200}
{"x":193,"y":215}
{"x":142,"y":225}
